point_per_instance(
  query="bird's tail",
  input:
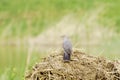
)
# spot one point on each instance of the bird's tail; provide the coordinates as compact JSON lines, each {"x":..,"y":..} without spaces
{"x":66,"y":57}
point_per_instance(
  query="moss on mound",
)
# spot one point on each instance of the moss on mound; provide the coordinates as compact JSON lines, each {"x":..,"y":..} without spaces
{"x":81,"y":67}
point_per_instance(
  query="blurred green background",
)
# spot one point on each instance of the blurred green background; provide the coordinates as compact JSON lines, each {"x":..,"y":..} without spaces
{"x":96,"y":30}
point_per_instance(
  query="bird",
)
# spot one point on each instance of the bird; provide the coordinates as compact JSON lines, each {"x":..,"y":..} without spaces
{"x":67,"y":47}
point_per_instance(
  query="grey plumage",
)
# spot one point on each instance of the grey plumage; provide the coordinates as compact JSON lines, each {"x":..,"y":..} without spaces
{"x":67,"y":46}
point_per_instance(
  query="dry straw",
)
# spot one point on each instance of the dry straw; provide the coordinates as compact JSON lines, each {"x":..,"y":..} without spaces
{"x":81,"y":67}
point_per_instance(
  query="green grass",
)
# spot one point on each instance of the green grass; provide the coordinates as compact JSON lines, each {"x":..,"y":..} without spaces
{"x":108,"y":48}
{"x":13,"y":62}
{"x":20,"y":18}
{"x":36,"y":15}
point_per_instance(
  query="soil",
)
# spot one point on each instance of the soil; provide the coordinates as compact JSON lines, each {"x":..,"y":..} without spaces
{"x":81,"y":67}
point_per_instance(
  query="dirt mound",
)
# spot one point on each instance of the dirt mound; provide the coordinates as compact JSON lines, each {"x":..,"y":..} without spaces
{"x":81,"y":67}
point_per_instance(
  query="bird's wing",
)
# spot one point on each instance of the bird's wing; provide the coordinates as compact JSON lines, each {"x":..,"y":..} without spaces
{"x":66,"y":56}
{"x":68,"y":50}
{"x":67,"y":46}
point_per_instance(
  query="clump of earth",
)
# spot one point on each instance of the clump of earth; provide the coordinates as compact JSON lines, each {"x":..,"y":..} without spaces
{"x":81,"y":67}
